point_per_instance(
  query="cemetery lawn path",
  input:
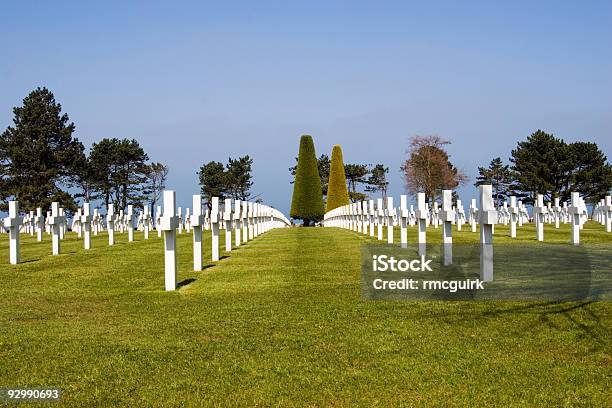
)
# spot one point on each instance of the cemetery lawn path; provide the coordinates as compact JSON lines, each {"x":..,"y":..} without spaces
{"x":280,"y":322}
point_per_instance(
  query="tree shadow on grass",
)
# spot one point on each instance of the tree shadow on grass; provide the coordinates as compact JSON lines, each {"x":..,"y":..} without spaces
{"x":594,"y":328}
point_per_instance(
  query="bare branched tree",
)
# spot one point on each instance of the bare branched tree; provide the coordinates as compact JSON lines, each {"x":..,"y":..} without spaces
{"x":428,"y":169}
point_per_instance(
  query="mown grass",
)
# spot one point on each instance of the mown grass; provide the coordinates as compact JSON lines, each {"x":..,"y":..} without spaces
{"x":280,"y":322}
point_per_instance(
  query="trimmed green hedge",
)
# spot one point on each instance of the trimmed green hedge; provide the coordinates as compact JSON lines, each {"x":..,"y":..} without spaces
{"x":337,"y":193}
{"x":307,"y":201}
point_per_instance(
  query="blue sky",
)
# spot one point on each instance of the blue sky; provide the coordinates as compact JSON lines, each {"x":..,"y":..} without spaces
{"x":199,"y":81}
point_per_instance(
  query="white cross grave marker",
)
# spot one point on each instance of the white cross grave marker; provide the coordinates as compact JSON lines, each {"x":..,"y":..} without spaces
{"x":574,"y":211}
{"x":607,"y":209}
{"x":77,"y":223}
{"x":180,"y":220}
{"x":130,"y":222}
{"x":381,"y":215}
{"x":86,"y":225}
{"x":110,"y":223}
{"x":63,"y":224}
{"x":197,"y":222}
{"x":214,"y":220}
{"x":422,"y":215}
{"x":557,"y":212}
{"x":227,"y":218}
{"x":55,"y":221}
{"x":187,"y":220}
{"x":538,"y":213}
{"x":371,"y":214}
{"x":237,"y":222}
{"x":251,"y":221}
{"x":146,"y":221}
{"x":168,"y":224}
{"x":390,"y":215}
{"x":473,"y":214}
{"x":40,"y":224}
{"x":513,"y":216}
{"x":245,"y":223}
{"x":460,"y":215}
{"x":404,"y":221}
{"x":488,"y":217}
{"x":447,"y":216}
{"x":12,"y":223}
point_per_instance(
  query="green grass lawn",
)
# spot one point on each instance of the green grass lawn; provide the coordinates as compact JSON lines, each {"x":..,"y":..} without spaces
{"x":280,"y":321}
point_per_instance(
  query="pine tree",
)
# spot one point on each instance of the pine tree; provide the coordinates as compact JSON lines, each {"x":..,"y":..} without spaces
{"x":499,"y":176}
{"x":238,"y":178}
{"x":337,"y":193}
{"x":307,"y":200}
{"x":39,"y":155}
{"x":378,"y":180}
{"x":592,"y":174}
{"x":119,"y":171}
{"x":213,"y":181}
{"x":541,"y":164}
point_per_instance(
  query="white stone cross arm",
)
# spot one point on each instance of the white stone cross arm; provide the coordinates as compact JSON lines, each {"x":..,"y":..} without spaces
{"x":169,"y":221}
{"x":447,"y":214}
{"x":421,"y":212}
{"x":56,"y":218}
{"x":13,"y":220}
{"x":110,"y":214}
{"x":487,"y":213}
{"x":197,"y":218}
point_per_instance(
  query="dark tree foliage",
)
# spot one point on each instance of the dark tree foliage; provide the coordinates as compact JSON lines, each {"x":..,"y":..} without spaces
{"x":355,"y":174}
{"x":212,"y":181}
{"x":83,"y":180}
{"x":592,"y":174}
{"x":357,"y":196}
{"x":547,"y":165}
{"x":499,"y":176}
{"x":234,"y":180}
{"x":324,"y":167}
{"x":119,"y":171}
{"x":542,"y":164}
{"x":38,"y":154}
{"x":238,"y":178}
{"x":307,"y":200}
{"x":378,"y":180}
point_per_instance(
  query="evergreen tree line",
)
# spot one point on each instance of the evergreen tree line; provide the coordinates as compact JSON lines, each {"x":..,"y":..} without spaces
{"x":370,"y":178}
{"x":316,"y":178}
{"x":548,"y":165}
{"x":232,"y":180}
{"x":542,"y":164}
{"x":41,"y":162}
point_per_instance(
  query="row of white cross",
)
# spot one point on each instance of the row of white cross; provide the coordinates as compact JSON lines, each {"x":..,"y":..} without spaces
{"x":366,"y":215}
{"x":243,"y":221}
{"x":248,"y":221}
{"x":365,"y":218}
{"x":602,"y":213}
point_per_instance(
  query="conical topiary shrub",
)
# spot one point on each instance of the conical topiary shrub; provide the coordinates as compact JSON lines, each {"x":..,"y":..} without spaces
{"x":307,"y":200}
{"x":337,"y":193}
